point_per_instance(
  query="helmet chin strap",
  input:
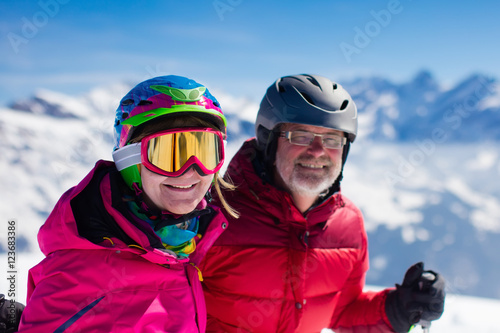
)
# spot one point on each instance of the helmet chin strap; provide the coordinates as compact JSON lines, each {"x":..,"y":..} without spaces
{"x":345,"y":151}
{"x":336,"y":185}
{"x":208,"y":196}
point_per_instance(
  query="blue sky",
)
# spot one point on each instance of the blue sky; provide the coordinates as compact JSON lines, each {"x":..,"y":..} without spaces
{"x":240,"y":46}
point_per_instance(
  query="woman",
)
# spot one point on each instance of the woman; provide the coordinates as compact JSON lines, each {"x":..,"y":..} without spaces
{"x":122,"y":247}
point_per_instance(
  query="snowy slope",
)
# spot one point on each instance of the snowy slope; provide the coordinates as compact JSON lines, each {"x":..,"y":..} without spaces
{"x":464,"y":314}
{"x":45,"y":152}
{"x":424,"y":197}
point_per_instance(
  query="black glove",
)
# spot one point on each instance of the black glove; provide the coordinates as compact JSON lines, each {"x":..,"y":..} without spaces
{"x":420,"y":297}
{"x":10,"y":315}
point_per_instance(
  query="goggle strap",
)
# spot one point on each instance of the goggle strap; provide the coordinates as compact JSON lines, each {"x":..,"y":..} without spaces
{"x":127,"y":156}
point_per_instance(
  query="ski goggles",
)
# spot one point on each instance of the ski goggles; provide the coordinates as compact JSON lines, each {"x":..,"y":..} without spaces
{"x":172,"y":152}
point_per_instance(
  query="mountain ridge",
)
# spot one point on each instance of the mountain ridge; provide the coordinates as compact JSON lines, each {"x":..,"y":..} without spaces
{"x":424,"y":196}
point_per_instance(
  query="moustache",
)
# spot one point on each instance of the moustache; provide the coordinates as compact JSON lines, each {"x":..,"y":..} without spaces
{"x":311,"y":160}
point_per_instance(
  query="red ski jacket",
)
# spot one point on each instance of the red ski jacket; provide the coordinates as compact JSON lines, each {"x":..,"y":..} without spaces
{"x":278,"y":270}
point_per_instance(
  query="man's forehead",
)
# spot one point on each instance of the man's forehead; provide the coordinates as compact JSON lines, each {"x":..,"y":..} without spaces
{"x":309,"y":128}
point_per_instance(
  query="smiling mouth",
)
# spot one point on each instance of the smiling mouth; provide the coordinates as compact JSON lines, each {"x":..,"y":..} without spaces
{"x":311,"y":166}
{"x":180,"y":186}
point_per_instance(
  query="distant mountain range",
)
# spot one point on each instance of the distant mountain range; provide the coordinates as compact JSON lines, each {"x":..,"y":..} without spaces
{"x":421,"y":108}
{"x":424,"y":168}
{"x":391,"y":112}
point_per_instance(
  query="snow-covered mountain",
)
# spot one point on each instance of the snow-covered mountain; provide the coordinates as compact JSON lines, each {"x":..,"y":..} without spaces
{"x":424,"y":169}
{"x":425,"y":173}
{"x":422,"y":109}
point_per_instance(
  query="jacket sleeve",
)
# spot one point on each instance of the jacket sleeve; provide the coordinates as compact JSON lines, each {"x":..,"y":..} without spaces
{"x":366,"y":314}
{"x":361,"y":311}
{"x":380,"y":327}
{"x":54,"y":299}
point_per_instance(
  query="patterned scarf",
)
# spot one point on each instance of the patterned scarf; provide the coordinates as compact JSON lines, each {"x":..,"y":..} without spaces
{"x":178,"y":233}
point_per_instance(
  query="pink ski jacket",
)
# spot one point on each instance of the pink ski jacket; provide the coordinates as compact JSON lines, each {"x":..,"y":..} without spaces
{"x":278,"y":270}
{"x":112,"y":276}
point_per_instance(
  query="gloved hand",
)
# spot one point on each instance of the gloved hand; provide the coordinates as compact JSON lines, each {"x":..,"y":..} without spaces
{"x":420,"y":297}
{"x":10,"y":315}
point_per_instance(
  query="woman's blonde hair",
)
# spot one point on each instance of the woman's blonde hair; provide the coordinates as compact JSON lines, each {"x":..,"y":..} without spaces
{"x":186,"y":121}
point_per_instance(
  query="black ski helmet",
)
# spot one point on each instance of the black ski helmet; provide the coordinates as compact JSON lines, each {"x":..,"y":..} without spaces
{"x":304,"y":99}
{"x":309,"y":100}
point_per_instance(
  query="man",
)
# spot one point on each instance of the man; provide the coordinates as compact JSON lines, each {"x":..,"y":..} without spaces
{"x":296,"y":259}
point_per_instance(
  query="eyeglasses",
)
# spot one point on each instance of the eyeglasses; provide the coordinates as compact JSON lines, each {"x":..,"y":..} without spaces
{"x":172,"y":152}
{"x":304,"y":138}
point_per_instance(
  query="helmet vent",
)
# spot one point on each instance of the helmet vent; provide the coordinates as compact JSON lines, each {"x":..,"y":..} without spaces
{"x":128,"y":102}
{"x":281,"y":89}
{"x":313,"y":81}
{"x":307,"y":98}
{"x":344,"y":104}
{"x":124,"y":115}
{"x":334,"y":86}
{"x":145,"y":102}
